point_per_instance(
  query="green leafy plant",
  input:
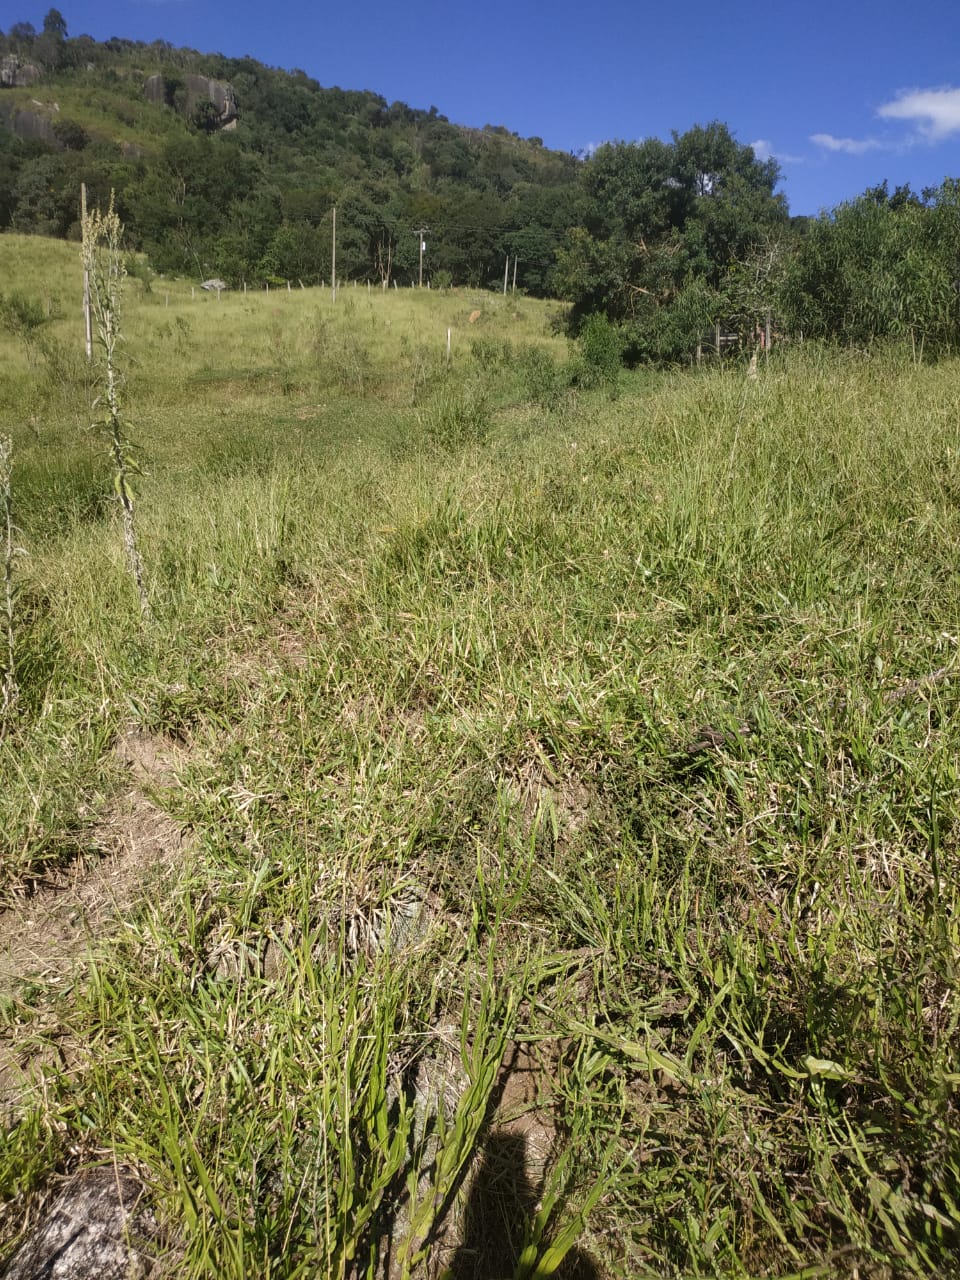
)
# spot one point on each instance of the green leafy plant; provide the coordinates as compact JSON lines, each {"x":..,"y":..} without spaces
{"x":456,"y":415}
{"x":20,"y":314}
{"x":601,"y":354}
{"x":487,"y":1023}
{"x":10,"y":690}
{"x":103,"y":260}
{"x":545,"y":380}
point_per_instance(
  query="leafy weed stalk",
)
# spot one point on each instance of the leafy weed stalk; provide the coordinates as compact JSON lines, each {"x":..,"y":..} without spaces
{"x":9,"y":692}
{"x":103,"y":260}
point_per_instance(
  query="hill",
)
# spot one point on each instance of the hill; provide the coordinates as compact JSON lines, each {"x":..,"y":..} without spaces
{"x":227,"y":166}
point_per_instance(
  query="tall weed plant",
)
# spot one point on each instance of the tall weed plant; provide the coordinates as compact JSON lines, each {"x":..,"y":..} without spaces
{"x":104,"y":262}
{"x":10,"y":688}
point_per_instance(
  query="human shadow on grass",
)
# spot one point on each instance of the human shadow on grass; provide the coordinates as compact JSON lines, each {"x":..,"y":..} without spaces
{"x":501,"y":1202}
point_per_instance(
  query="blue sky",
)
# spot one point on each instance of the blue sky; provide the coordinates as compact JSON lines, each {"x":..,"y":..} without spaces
{"x":843,"y":94}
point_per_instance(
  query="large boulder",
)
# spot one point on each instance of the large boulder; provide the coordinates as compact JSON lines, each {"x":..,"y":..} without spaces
{"x":155,"y":91}
{"x":200,"y":88}
{"x":196,"y":90}
{"x":30,"y":125}
{"x":15,"y":74}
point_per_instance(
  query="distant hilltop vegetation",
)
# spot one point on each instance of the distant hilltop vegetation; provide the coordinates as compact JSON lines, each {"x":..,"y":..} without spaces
{"x":227,"y":166}
{"x":211,"y":103}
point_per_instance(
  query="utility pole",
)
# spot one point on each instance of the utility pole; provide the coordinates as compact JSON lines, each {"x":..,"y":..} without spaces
{"x":514,"y":289}
{"x":506,"y":272}
{"x":423,"y":244}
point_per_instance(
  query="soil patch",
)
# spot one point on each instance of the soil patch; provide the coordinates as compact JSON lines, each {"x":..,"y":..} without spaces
{"x":543,"y":794}
{"x":48,"y":935}
{"x":42,"y":937}
{"x":482,"y":1235}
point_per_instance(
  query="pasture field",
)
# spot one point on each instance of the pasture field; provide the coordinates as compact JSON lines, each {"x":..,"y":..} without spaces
{"x":523,"y":837}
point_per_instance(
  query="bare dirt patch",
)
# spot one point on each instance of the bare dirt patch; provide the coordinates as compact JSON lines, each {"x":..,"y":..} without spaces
{"x":42,"y":937}
{"x":483,"y":1234}
{"x":542,"y":793}
{"x":151,"y":759}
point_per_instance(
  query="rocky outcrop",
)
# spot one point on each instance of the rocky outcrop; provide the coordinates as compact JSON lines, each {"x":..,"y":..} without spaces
{"x":31,"y":125}
{"x":156,"y":90}
{"x":15,"y":74}
{"x":190,"y":92}
{"x":219,"y":93}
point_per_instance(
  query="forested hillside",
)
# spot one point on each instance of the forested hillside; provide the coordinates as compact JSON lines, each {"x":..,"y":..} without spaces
{"x":252,"y":198}
{"x":224,"y":166}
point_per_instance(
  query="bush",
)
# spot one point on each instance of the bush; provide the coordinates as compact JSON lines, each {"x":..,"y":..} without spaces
{"x":21,"y":315}
{"x":601,"y":353}
{"x":490,"y":353}
{"x":456,"y":417}
{"x":71,"y":135}
{"x":544,"y":380}
{"x":139,"y":269}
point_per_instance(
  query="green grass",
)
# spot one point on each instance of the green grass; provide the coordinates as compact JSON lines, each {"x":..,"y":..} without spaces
{"x":634,"y":693}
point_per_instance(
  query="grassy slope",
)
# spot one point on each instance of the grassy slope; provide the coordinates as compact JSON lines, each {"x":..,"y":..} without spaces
{"x":115,"y":113}
{"x":634,"y":691}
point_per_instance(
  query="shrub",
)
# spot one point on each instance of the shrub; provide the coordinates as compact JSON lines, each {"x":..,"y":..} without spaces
{"x":544,"y":380}
{"x":490,"y":353}
{"x":21,"y":315}
{"x":456,"y":416}
{"x":601,"y":352}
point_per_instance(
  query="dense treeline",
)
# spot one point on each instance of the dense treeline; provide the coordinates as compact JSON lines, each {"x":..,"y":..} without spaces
{"x":682,"y":238}
{"x":671,"y":240}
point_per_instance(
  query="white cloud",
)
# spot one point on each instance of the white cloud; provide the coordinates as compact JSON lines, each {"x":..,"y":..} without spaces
{"x":763,"y":149}
{"x":850,"y":146}
{"x":936,"y":112}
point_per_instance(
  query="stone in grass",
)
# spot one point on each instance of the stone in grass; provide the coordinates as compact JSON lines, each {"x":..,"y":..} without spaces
{"x":215,"y":285}
{"x":96,"y":1229}
{"x":400,"y":922}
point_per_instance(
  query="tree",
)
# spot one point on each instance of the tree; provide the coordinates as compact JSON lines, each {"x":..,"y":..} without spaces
{"x":661,"y":220}
{"x":878,"y":267}
{"x":50,"y":45}
{"x":54,"y":24}
{"x":753,"y":285}
{"x":23,"y":33}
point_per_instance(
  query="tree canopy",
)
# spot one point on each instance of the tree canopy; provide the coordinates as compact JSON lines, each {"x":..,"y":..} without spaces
{"x":663,"y":224}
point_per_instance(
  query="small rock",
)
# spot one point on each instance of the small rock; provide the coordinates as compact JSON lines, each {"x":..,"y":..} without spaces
{"x":96,"y":1229}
